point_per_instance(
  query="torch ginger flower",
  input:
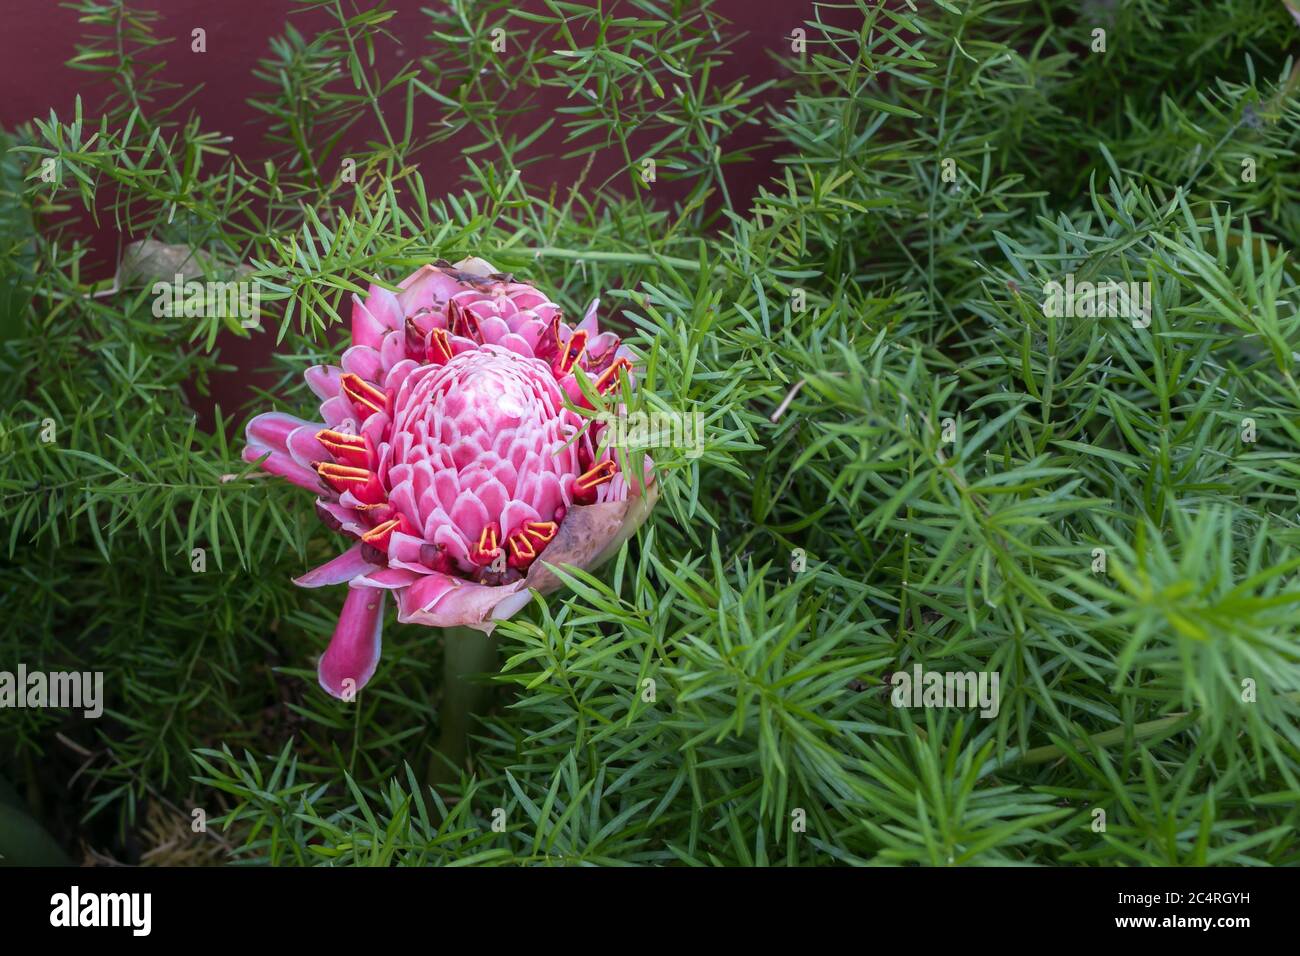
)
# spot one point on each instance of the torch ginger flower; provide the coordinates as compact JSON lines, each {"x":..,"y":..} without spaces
{"x":448,"y":455}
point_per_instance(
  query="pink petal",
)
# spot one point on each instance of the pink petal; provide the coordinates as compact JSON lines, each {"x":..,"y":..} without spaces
{"x":424,"y":594}
{"x":350,"y":660}
{"x":454,"y":541}
{"x":398,"y":374}
{"x":323,"y":380}
{"x":402,"y":497}
{"x":304,"y":448}
{"x":389,"y":578}
{"x":279,"y":463}
{"x":338,"y":413}
{"x":493,"y":495}
{"x":526,"y":297}
{"x":469,"y":515}
{"x":404,"y":549}
{"x":273,"y":429}
{"x":530,"y":330}
{"x":383,"y":305}
{"x":348,"y":519}
{"x":598,"y":345}
{"x":515,"y":514}
{"x":422,"y":480}
{"x":509,"y":605}
{"x":367,"y":328}
{"x":392,"y":350}
{"x":345,"y":567}
{"x":425,"y":288}
{"x":436,"y":519}
{"x":493,"y":329}
{"x":466,"y":605}
{"x":546,"y":495}
{"x":363,"y":360}
{"x":447,"y":486}
{"x":589,"y":323}
{"x":517,"y":344}
{"x":373,"y":427}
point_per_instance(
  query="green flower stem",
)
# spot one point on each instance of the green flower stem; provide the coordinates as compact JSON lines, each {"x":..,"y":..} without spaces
{"x":469,"y":659}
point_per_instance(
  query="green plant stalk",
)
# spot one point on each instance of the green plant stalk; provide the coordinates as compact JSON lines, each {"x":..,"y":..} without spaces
{"x":469,"y":659}
{"x":1105,"y":738}
{"x":623,"y":258}
{"x":1118,"y":735}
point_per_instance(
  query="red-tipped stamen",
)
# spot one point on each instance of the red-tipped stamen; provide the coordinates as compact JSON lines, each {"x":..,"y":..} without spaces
{"x":585,"y":485}
{"x":522,"y":552}
{"x":342,"y":477}
{"x":362,"y":394}
{"x":363,"y":484}
{"x":488,"y":545}
{"x":346,"y":449}
{"x":381,"y":534}
{"x":528,"y":542}
{"x":609,"y":378}
{"x":541,"y":532}
{"x":439,"y":347}
{"x":571,"y":353}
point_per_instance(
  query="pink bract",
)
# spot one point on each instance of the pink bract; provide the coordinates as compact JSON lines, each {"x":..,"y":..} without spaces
{"x":447,"y":453}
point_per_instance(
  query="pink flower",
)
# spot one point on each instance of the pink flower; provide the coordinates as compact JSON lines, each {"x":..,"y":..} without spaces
{"x":449,"y":457}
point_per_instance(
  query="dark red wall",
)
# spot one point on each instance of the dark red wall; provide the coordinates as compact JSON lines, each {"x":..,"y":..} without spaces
{"x":41,"y":35}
